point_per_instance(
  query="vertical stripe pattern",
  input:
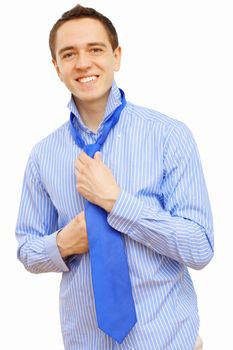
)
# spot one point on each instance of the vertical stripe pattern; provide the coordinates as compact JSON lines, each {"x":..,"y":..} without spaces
{"x":163,"y":211}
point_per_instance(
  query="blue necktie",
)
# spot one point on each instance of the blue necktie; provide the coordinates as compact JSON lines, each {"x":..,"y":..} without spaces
{"x":114,"y":303}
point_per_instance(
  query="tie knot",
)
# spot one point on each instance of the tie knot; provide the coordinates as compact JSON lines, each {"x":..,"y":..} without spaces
{"x":91,"y":149}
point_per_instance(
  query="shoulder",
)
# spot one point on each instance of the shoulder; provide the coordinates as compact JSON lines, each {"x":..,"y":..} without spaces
{"x":156,"y":120}
{"x":52,"y":141}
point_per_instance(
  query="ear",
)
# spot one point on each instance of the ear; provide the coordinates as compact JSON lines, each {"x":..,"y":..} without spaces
{"x":57,"y":69}
{"x":117,"y":59}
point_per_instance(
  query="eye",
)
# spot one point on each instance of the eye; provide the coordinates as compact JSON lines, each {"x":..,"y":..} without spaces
{"x":68,"y":55}
{"x":96,"y":51}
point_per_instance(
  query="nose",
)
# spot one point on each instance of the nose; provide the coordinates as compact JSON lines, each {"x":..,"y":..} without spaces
{"x":83,"y":61}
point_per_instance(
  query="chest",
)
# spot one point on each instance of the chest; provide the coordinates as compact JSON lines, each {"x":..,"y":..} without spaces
{"x":134,"y":157}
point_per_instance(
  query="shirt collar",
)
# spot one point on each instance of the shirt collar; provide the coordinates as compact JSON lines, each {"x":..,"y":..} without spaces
{"x":114,"y":100}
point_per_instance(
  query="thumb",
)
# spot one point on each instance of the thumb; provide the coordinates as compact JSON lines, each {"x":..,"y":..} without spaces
{"x":97,"y":156}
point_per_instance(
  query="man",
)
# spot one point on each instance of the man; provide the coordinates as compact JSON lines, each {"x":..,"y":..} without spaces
{"x":149,"y":180}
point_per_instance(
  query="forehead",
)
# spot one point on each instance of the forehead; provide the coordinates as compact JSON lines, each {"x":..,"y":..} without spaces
{"x":80,"y":32}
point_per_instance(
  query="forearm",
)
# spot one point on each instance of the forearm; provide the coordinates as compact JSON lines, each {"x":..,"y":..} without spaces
{"x":179,"y":238}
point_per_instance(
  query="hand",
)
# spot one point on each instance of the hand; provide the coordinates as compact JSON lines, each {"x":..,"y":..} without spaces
{"x":95,"y":181}
{"x":72,"y":239}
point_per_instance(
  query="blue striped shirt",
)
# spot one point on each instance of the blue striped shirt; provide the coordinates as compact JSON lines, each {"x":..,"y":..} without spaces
{"x":163,"y":212}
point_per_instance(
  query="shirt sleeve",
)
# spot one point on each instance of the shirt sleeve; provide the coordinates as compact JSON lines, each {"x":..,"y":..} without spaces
{"x":36,"y":227}
{"x":179,"y":224}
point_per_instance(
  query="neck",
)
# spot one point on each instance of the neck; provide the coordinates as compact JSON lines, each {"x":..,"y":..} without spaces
{"x":92,"y":113}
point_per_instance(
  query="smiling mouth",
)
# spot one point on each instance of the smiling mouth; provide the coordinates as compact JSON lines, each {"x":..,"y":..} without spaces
{"x":88,"y":79}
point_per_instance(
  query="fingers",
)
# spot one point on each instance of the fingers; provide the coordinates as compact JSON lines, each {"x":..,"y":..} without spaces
{"x":97,"y":156}
{"x":81,"y":216}
{"x":81,"y":162}
{"x":79,"y":166}
{"x":84,"y":160}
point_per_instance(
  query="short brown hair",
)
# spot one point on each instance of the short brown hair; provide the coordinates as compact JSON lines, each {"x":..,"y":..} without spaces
{"x":83,"y":12}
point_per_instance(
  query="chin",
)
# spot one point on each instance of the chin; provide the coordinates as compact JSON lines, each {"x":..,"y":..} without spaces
{"x":93,"y":95}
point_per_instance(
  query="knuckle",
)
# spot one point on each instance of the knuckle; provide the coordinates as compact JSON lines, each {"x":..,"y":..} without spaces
{"x":87,"y":166}
{"x":78,"y":187}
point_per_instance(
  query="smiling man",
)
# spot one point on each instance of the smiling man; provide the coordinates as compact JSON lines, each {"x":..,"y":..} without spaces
{"x":118,"y":180}
{"x":85,"y":61}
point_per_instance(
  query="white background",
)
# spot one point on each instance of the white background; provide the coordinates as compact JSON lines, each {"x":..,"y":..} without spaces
{"x":177,"y":58}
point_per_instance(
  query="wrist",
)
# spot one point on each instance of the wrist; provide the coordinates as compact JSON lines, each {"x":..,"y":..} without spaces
{"x":109,"y":204}
{"x":64,"y":251}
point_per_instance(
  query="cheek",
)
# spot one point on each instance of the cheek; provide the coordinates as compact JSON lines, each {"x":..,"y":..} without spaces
{"x":64,"y":75}
{"x":64,"y":71}
{"x":106,"y":64}
{"x":61,"y":77}
{"x":59,"y":72}
{"x":110,"y":68}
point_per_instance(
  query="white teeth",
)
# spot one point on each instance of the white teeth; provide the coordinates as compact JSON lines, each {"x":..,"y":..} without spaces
{"x":87,"y":79}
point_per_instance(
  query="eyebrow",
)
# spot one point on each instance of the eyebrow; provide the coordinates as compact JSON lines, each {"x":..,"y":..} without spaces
{"x":66,"y":48}
{"x":98,"y":43}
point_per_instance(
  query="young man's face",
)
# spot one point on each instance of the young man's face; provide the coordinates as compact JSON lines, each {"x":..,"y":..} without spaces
{"x":85,"y":60}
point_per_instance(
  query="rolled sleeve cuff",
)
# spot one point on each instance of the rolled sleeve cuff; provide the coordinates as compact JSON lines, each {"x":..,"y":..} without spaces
{"x":125,"y":212}
{"x":54,"y":253}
